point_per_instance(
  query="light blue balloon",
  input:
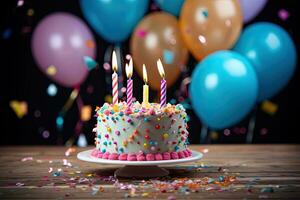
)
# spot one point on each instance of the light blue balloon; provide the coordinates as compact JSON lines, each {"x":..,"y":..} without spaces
{"x":114,"y":20}
{"x":170,"y":6}
{"x":272,"y":53}
{"x":223,"y":89}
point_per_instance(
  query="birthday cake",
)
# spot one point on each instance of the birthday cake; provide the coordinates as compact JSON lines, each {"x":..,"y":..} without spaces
{"x":141,"y":133}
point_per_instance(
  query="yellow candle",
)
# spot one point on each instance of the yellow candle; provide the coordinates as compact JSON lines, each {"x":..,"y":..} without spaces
{"x":145,"y":87}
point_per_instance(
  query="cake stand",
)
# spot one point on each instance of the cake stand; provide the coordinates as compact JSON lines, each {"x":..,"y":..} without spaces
{"x":138,"y":169}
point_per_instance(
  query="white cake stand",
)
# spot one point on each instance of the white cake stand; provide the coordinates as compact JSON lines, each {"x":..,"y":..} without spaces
{"x":138,"y":169}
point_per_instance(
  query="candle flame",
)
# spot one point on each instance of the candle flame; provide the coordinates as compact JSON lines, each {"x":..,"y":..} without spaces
{"x":160,"y":68}
{"x":114,"y":62}
{"x":145,"y":77}
{"x":129,"y":69}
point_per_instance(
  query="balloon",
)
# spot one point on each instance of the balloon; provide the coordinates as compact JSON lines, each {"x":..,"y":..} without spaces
{"x":114,"y":20}
{"x":272,"y":53}
{"x":223,"y":89}
{"x":59,"y":44}
{"x":251,"y":8}
{"x":157,"y":36}
{"x":171,"y":6}
{"x":208,"y":26}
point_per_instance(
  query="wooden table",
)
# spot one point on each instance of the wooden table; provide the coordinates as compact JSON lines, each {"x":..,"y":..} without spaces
{"x":226,"y":171}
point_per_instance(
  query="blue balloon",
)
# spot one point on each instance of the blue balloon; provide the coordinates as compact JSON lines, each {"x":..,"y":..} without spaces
{"x":223,"y":89}
{"x":170,"y":6}
{"x":272,"y":53}
{"x":114,"y":20}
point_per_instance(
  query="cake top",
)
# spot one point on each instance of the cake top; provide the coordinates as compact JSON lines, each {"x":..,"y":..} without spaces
{"x":138,"y":109}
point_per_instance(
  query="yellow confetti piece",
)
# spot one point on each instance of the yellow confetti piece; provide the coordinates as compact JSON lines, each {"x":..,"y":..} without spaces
{"x":214,"y":135}
{"x":51,"y":70}
{"x":269,"y":107}
{"x":145,"y":194}
{"x":30,"y":12}
{"x":86,"y":113}
{"x":19,"y":107}
{"x":108,"y":98}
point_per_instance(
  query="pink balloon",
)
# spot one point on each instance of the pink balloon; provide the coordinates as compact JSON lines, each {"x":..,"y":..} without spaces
{"x":59,"y":43}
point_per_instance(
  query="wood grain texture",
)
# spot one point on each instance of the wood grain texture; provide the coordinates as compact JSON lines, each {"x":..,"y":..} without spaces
{"x":256,"y":169}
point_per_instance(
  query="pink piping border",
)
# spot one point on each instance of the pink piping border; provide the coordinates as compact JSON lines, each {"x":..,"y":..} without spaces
{"x":141,"y":156}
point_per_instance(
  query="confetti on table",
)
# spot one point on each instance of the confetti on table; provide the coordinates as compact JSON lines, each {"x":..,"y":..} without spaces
{"x":168,"y":56}
{"x":27,"y":159}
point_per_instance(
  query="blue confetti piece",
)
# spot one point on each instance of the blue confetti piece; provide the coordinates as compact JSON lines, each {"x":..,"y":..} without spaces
{"x":168,"y":56}
{"x":59,"y":122}
{"x":6,"y":33}
{"x":52,"y":90}
{"x":90,"y":62}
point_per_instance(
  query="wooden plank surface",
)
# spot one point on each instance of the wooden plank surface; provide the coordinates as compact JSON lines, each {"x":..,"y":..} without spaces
{"x":225,"y":172}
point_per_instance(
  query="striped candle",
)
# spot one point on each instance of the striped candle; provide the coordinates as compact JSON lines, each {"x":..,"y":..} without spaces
{"x":163,"y":84}
{"x":115,"y":87}
{"x":163,"y":93}
{"x":129,"y":70}
{"x":115,"y":78}
{"x":129,"y":92}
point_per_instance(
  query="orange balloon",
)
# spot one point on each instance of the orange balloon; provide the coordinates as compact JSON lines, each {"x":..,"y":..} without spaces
{"x":210,"y":25}
{"x":157,"y":36}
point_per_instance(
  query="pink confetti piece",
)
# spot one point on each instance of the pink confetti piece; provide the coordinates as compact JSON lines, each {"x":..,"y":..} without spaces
{"x":283,"y":14}
{"x":141,"y":33}
{"x":27,"y":159}
{"x":50,"y":169}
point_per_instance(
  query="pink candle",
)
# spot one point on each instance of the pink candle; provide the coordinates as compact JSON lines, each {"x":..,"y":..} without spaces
{"x":129,"y":69}
{"x":115,"y":87}
{"x":163,"y":84}
{"x":129,"y":92}
{"x":115,"y":79}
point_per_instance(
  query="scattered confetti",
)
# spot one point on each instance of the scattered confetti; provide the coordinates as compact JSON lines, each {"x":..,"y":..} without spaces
{"x":6,"y":34}
{"x":267,"y":190}
{"x":269,"y":107}
{"x":90,"y":44}
{"x":52,"y":90}
{"x":20,"y":3}
{"x":51,"y":70}
{"x":168,"y":56}
{"x":86,"y":112}
{"x":90,"y":62}
{"x":46,"y":134}
{"x":27,"y":159}
{"x":19,"y":107}
{"x":82,"y":141}
{"x":283,"y":14}
{"x":69,"y":151}
{"x":30,"y":12}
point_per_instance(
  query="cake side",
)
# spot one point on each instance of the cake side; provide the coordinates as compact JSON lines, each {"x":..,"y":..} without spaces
{"x":139,"y":133}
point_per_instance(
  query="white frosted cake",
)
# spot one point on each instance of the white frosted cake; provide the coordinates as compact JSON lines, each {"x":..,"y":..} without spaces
{"x":137,"y":133}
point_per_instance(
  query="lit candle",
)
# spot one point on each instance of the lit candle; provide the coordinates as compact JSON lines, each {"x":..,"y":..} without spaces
{"x":129,"y":69}
{"x":163,"y":84}
{"x":145,"y":87}
{"x":114,"y":78}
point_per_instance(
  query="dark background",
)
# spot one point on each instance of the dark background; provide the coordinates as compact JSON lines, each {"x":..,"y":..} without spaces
{"x":21,"y":80}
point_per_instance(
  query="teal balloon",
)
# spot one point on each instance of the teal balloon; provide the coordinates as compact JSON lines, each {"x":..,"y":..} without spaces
{"x":114,"y":20}
{"x":170,"y":6}
{"x":272,"y":53}
{"x":223,"y":89}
